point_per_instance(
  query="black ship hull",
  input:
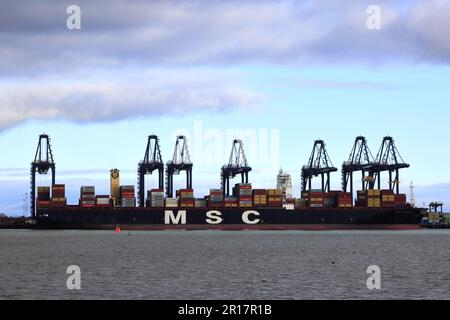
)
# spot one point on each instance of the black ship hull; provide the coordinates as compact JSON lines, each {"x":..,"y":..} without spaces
{"x":228,"y":218}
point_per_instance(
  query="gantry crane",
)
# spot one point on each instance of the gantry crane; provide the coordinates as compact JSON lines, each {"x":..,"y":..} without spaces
{"x":360,"y":159}
{"x":237,"y":164}
{"x":152,"y":161}
{"x":43,"y":162}
{"x":389,"y":159}
{"x":319,"y":164}
{"x":181,"y":161}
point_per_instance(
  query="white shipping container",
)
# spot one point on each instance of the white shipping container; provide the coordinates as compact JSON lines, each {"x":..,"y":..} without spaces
{"x":102,"y":200}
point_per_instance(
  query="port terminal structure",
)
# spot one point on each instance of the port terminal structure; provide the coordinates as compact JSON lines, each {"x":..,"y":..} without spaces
{"x":388,"y":160}
{"x":360,"y":159}
{"x":152,"y":161}
{"x":181,"y":161}
{"x":42,"y":163}
{"x":319,"y":164}
{"x":237,"y":165}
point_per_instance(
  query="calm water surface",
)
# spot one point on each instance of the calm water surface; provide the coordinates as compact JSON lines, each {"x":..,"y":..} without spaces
{"x":225,"y":264}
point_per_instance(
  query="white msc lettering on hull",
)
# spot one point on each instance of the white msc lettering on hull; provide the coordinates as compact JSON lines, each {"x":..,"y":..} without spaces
{"x":169,"y":217}
{"x":214,"y":217}
{"x":245,"y":217}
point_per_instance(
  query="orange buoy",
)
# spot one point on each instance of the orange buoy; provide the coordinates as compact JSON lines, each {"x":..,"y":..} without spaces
{"x":118,"y":230}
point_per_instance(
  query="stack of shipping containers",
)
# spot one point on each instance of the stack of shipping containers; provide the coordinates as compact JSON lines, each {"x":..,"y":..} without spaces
{"x":387,"y":199}
{"x":380,"y":199}
{"x":434,"y":218}
{"x":103,"y":201}
{"x":59,"y":196}
{"x":344,"y":200}
{"x":330,"y":199}
{"x":446,"y":219}
{"x":243,"y":191}
{"x":300,"y":203}
{"x":231,"y":202}
{"x":87,"y":196}
{"x":200,"y":203}
{"x":304,"y":202}
{"x":215,"y":199}
{"x":260,"y":197}
{"x":372,"y":198}
{"x":316,"y":199}
{"x":155,"y":198}
{"x":171,"y":202}
{"x":186,"y":198}
{"x":43,"y":197}
{"x":274,"y":198}
{"x":400,"y":200}
{"x":128,"y":199}
{"x":361,"y":199}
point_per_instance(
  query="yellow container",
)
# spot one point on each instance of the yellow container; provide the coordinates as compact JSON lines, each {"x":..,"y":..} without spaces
{"x":373,"y":192}
{"x":275,"y":192}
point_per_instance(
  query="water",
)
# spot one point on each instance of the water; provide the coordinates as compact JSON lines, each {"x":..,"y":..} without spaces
{"x":224,"y":265}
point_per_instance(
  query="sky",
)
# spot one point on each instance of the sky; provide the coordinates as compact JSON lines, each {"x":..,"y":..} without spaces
{"x":276,"y":74}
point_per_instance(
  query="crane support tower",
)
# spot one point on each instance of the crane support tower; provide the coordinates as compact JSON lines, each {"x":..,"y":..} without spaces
{"x":43,"y":162}
{"x":237,"y":164}
{"x":319,"y":164}
{"x":412,"y":197}
{"x":360,"y":159}
{"x":389,"y":159}
{"x":152,"y":161}
{"x":181,"y":161}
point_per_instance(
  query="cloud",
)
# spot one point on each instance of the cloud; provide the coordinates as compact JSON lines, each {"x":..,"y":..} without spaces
{"x":34,"y":37}
{"x":129,"y":95}
{"x":50,"y":72}
{"x":426,"y":194}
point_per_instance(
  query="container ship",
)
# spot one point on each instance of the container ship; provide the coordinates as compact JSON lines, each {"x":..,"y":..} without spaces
{"x":242,"y":208}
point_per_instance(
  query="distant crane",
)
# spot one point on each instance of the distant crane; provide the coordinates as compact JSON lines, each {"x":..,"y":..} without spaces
{"x":152,"y":161}
{"x":25,"y":204}
{"x":181,"y":161}
{"x":412,"y":196}
{"x":319,"y":164}
{"x":436,"y":207}
{"x":43,"y":162}
{"x":360,"y":159}
{"x":237,"y":164}
{"x":389,"y":159}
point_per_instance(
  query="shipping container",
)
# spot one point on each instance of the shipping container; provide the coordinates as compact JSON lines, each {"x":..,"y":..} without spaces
{"x":434,"y":218}
{"x":43,"y":204}
{"x":274,"y":192}
{"x":259,"y":192}
{"x":200,"y":203}
{"x":128,"y":202}
{"x":103,"y":201}
{"x":185,"y":193}
{"x":58,"y":191}
{"x":171,"y":202}
{"x":43,"y":193}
